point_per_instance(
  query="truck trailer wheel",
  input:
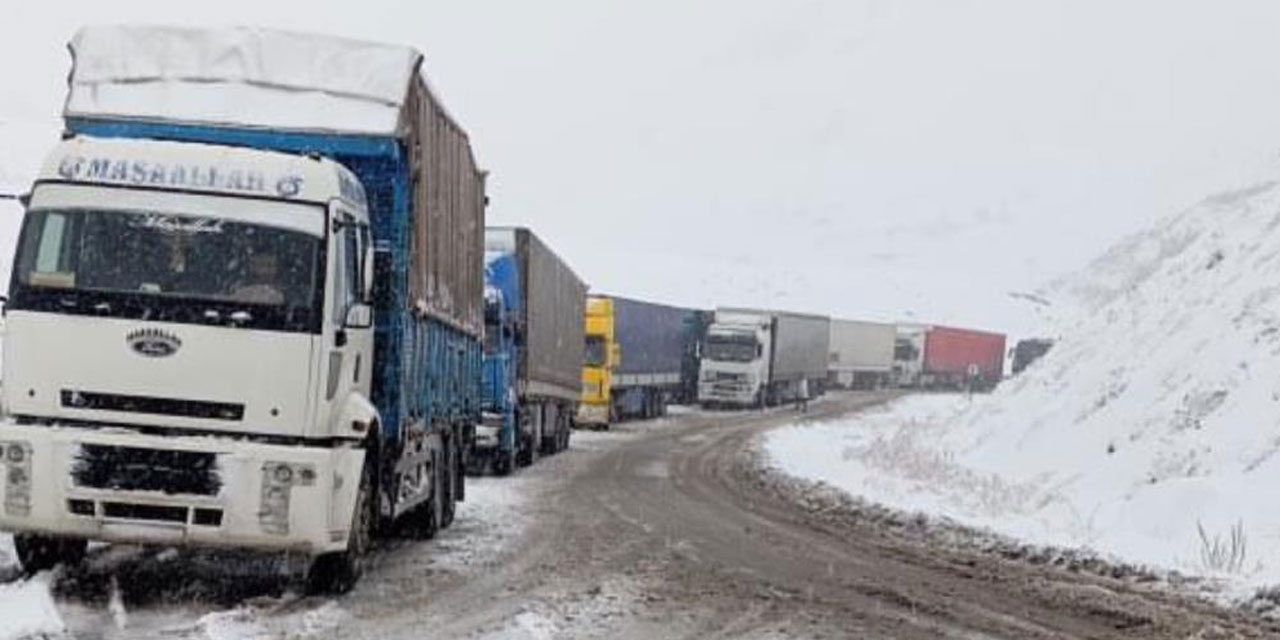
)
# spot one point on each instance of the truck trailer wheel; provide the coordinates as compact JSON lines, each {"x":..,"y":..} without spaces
{"x":564,"y":437}
{"x":450,"y":487}
{"x":504,"y":462}
{"x":41,"y":553}
{"x":335,"y":573}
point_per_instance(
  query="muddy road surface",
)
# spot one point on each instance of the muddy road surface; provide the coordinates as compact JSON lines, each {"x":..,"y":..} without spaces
{"x":664,"y":529}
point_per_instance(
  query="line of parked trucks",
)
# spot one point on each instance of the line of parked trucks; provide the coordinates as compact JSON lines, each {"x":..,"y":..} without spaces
{"x":255,"y":305}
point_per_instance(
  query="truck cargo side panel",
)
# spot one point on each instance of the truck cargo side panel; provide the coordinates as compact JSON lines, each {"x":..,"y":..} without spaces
{"x":801,"y":347}
{"x":952,"y":351}
{"x":447,"y":268}
{"x":554,"y":320}
{"x":651,"y":336}
{"x":862,"y":346}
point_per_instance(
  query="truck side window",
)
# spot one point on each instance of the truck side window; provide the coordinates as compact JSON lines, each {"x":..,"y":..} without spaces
{"x":51,"y":239}
{"x":346,"y":284}
{"x":54,"y":251}
{"x":351,"y":264}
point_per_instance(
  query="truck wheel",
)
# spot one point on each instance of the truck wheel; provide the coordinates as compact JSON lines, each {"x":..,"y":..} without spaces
{"x":564,"y":438}
{"x":535,"y":446}
{"x":449,"y":506}
{"x":336,"y":573}
{"x":41,"y":553}
{"x":504,"y":462}
{"x":424,"y":521}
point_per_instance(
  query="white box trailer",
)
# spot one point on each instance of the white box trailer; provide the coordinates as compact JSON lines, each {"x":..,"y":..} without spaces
{"x":861,"y":354}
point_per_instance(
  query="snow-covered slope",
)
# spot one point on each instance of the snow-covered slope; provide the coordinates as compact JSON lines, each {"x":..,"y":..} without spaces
{"x":1150,"y":431}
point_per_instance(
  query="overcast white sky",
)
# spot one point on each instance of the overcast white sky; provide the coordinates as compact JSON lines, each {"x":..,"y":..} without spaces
{"x":894,"y":160}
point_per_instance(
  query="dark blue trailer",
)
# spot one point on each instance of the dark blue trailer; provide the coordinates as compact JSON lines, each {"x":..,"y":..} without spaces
{"x":640,"y":357}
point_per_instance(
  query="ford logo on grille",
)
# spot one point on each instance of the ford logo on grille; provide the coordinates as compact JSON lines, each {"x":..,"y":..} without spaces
{"x":153,"y":343}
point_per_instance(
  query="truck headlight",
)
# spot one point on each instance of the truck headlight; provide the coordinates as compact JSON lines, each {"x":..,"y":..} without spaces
{"x":278,"y":481}
{"x":17,"y":486}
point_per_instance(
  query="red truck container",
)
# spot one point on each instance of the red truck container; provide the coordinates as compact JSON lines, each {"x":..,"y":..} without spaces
{"x":952,"y":356}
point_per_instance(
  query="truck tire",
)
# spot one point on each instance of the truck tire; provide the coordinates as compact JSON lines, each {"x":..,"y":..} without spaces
{"x":564,"y":437}
{"x":504,"y":462}
{"x":423,"y":523}
{"x":535,"y":445}
{"x":41,"y":553}
{"x":338,"y":572}
{"x":449,"y":506}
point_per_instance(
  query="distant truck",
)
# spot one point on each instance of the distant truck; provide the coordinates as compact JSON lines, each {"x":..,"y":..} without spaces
{"x":963,"y":358}
{"x":637,"y":358}
{"x":533,"y":351}
{"x":908,"y":355}
{"x":754,"y":357}
{"x":937,"y":357}
{"x":1028,"y":351}
{"x":246,"y":305}
{"x":861,"y":354}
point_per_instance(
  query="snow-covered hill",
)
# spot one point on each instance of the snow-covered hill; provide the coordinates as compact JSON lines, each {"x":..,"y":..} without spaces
{"x":1150,"y":431}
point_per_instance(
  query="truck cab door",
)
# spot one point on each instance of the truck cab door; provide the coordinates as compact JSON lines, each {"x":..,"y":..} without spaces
{"x":348,"y":344}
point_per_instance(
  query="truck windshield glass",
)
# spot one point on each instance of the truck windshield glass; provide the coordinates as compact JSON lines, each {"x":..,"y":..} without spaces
{"x":165,"y":267}
{"x":730,"y":349}
{"x":594,"y":356}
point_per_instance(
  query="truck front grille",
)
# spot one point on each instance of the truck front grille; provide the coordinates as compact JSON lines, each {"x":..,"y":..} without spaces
{"x":136,"y":469}
{"x":155,"y":513}
{"x":76,"y":399}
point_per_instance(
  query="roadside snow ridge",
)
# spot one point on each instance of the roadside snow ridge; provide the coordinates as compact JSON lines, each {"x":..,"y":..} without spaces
{"x":1150,"y":430}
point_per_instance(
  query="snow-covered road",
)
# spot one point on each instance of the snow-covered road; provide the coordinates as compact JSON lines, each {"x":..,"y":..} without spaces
{"x":663,"y":529}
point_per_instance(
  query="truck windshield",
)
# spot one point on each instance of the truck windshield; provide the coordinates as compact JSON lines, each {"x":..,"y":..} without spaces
{"x":594,"y":356}
{"x":169,"y":268}
{"x":730,"y":349}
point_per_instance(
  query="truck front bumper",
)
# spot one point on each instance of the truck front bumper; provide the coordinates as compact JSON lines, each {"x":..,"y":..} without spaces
{"x":121,"y":486}
{"x":592,"y":415}
{"x":726,"y":393}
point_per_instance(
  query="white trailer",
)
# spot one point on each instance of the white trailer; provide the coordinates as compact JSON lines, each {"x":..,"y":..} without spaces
{"x":861,"y":354}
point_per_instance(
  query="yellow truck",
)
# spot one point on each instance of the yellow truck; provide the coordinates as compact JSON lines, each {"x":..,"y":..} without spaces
{"x":639,"y":357}
{"x":601,"y":356}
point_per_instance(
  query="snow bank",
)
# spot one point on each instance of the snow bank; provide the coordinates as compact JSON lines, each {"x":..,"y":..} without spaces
{"x":1146,"y":432}
{"x":27,"y":610}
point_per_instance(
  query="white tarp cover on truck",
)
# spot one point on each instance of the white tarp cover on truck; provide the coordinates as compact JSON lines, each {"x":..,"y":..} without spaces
{"x":262,"y":79}
{"x":240,"y":76}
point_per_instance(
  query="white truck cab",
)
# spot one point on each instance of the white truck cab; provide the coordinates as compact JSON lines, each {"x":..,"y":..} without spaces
{"x":188,"y":349}
{"x":735,"y":359}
